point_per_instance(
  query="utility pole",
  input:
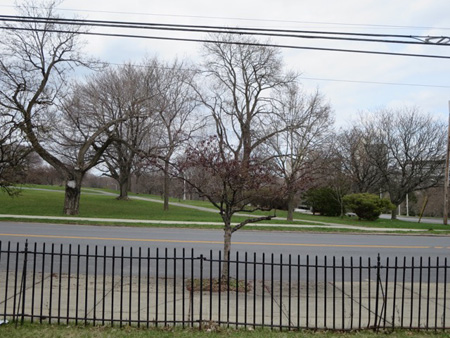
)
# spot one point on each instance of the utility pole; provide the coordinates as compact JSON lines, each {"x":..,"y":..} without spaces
{"x":407,"y":205}
{"x":447,"y":171}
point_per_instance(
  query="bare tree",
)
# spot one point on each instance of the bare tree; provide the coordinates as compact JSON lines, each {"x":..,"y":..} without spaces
{"x":75,"y":139}
{"x":335,"y":177}
{"x":240,"y":79}
{"x":175,"y":103}
{"x":240,"y":94}
{"x":408,"y":148}
{"x":123,"y":94}
{"x":306,"y":123}
{"x":42,"y":173}
{"x":14,"y":155}
{"x":37,"y":56}
{"x":352,"y":148}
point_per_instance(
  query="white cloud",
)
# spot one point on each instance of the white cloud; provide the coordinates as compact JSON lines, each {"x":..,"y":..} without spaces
{"x":358,"y":16}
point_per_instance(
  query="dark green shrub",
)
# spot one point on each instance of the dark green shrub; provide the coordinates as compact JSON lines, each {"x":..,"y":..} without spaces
{"x":367,"y":206}
{"x":323,"y":201}
{"x":268,"y":199}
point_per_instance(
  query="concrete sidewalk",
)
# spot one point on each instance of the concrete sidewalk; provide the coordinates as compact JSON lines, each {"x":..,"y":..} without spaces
{"x":316,"y":225}
{"x":342,"y":305}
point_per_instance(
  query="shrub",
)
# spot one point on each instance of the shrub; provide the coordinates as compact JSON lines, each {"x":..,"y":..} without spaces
{"x":324,"y":201}
{"x":367,"y":206}
{"x":268,"y":199}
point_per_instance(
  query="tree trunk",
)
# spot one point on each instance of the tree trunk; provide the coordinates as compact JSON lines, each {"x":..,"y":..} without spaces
{"x":137,"y":181}
{"x":166,"y":186}
{"x":72,"y":194}
{"x":123,"y":186}
{"x":341,"y":202}
{"x":291,"y":206}
{"x":394,"y":213}
{"x":226,"y":251}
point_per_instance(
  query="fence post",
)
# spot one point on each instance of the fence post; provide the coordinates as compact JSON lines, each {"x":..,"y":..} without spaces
{"x":377,"y":293}
{"x":201,"y":293}
{"x":24,"y":282}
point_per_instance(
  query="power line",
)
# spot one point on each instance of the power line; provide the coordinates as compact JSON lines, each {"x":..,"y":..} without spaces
{"x":304,"y":77}
{"x":376,"y":82}
{"x":40,"y":20}
{"x":238,"y":43}
{"x":301,"y":77}
{"x":258,"y":20}
{"x":250,"y":19}
{"x":284,"y":33}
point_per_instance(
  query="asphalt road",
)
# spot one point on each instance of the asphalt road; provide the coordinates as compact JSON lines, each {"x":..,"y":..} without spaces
{"x":202,"y":241}
{"x":259,"y":246}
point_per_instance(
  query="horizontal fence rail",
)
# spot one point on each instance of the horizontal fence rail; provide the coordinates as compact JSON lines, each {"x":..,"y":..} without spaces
{"x":150,"y":287}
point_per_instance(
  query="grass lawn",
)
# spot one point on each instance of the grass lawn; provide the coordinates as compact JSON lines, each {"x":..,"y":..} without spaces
{"x":68,"y":331}
{"x":49,"y":202}
{"x":380,"y":223}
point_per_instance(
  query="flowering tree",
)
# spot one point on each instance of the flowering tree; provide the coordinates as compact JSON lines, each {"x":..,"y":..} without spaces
{"x":229,"y":184}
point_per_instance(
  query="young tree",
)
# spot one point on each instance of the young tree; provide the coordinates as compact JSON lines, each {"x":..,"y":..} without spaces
{"x":305,"y":121}
{"x":408,"y":148}
{"x":37,"y":55}
{"x":224,"y":181}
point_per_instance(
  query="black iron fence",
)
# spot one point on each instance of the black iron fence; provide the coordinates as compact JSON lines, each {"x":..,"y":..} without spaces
{"x":150,"y":287}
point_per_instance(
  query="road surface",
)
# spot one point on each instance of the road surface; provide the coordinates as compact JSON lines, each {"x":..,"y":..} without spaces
{"x":202,"y":241}
{"x":260,"y":246}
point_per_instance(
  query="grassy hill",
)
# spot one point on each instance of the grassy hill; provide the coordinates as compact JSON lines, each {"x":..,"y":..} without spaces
{"x":50,"y":203}
{"x":100,"y":203}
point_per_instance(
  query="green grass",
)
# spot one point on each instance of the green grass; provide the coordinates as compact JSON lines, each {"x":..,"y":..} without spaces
{"x":198,"y":203}
{"x":50,"y":203}
{"x":380,"y":223}
{"x":61,"y":188}
{"x":71,"y":331}
{"x":97,"y":205}
{"x":39,"y":186}
{"x":309,"y":219}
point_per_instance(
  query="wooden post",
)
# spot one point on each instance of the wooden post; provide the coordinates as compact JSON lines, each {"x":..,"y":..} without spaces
{"x":425,"y":202}
{"x":447,"y":172}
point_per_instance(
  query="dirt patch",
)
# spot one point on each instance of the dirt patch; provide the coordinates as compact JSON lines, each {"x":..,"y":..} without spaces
{"x":218,"y":285}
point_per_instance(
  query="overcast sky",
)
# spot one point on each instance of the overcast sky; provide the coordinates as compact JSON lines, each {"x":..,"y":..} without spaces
{"x":346,"y":79}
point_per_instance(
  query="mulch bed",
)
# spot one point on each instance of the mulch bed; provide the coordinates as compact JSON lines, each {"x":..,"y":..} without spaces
{"x":218,"y":285}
